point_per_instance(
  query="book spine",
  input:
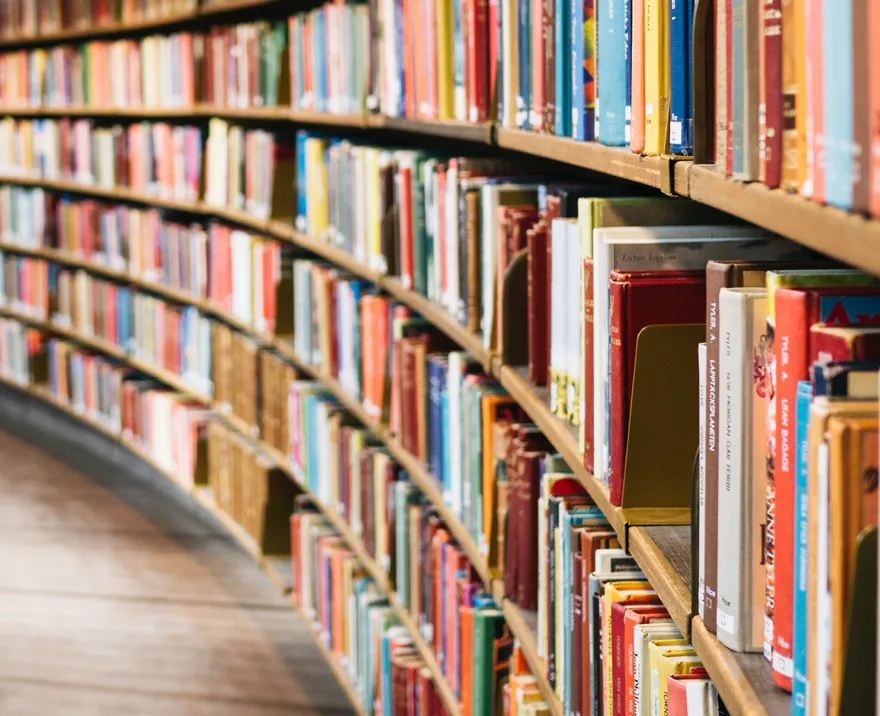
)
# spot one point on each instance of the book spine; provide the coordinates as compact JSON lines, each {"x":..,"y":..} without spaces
{"x":740,"y":314}
{"x":656,"y":77}
{"x":578,"y":101}
{"x":537,"y":298}
{"x":548,"y":24}
{"x":791,"y":93}
{"x":728,"y":81}
{"x":873,"y":85}
{"x":536,"y":58}
{"x":627,"y":69}
{"x":716,"y":278}
{"x":562,"y":72}
{"x":800,"y":633}
{"x":611,"y":66}
{"x":791,"y":333}
{"x":816,"y":97}
{"x":618,"y":392}
{"x":837,"y":81}
{"x":576,"y":655}
{"x":701,"y":476}
{"x":637,"y":124}
{"x":861,"y":146}
{"x":524,"y":59}
{"x":681,"y":115}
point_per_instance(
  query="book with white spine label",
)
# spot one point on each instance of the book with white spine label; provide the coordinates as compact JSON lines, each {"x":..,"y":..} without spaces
{"x":701,"y":477}
{"x":741,"y":470}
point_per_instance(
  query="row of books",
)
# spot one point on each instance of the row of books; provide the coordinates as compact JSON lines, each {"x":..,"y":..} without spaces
{"x":165,"y":335}
{"x":247,"y":485}
{"x":788,"y":458}
{"x":795,"y":105}
{"x":156,"y":158}
{"x":20,"y":348}
{"x":237,"y":66}
{"x":25,"y":19}
{"x":237,"y":272}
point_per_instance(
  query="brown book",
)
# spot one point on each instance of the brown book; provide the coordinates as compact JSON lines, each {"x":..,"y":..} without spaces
{"x":576,"y":634}
{"x":473,"y":274}
{"x":538,"y":323}
{"x":368,"y":501}
{"x":389,"y":211}
{"x":722,"y":274}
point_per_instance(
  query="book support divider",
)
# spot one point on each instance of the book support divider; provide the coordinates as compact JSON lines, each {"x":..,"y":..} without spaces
{"x":703,"y":64}
{"x":514,"y":316}
{"x":663,"y":426}
{"x":858,"y":691}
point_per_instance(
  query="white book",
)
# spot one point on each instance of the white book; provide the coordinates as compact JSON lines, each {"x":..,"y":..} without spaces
{"x":242,"y":274}
{"x":492,"y":197}
{"x":819,"y":683}
{"x":701,"y":476}
{"x":652,"y":248}
{"x":741,"y":471}
{"x":573,"y":304}
{"x":643,"y":635}
{"x":558,"y":299}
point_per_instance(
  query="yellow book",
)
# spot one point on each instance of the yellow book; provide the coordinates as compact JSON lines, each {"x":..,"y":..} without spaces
{"x":494,"y":408}
{"x":374,"y":218}
{"x":656,"y":76}
{"x":510,"y":55}
{"x":616,"y":592}
{"x":317,"y":209}
{"x":445,"y":74}
{"x":657,"y":647}
{"x":669,"y":661}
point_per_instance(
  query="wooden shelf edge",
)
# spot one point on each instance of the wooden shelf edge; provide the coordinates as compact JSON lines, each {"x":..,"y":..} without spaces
{"x":676,"y":597}
{"x":736,"y":689}
{"x":529,"y":645}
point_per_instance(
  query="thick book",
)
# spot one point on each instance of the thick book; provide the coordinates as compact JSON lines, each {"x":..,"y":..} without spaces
{"x":610,"y":66}
{"x":638,"y":300}
{"x":538,"y":325}
{"x":771,"y":100}
{"x":656,"y":76}
{"x":691,"y":694}
{"x":744,"y":90}
{"x":742,"y":491}
{"x":681,"y":113}
{"x":583,"y":69}
{"x":790,"y":314}
{"x":800,"y":629}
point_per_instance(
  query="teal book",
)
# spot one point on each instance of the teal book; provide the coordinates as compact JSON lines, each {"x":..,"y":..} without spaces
{"x":801,"y":531}
{"x":405,"y":493}
{"x":610,"y":69}
{"x":837,"y":89}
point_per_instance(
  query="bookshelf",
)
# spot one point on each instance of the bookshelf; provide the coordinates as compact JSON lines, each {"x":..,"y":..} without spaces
{"x":663,"y":552}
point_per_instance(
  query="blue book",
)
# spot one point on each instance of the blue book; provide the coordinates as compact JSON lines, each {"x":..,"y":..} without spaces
{"x":458,"y":92}
{"x":837,"y":88}
{"x":628,"y":67}
{"x":578,"y":100}
{"x":524,"y":47}
{"x":801,"y":531}
{"x":681,"y":113}
{"x":563,"y":68}
{"x":405,"y":62}
{"x":441,"y":653}
{"x":301,"y":188}
{"x":610,"y":67}
{"x":434,"y":426}
{"x":571,"y":518}
{"x":319,"y":35}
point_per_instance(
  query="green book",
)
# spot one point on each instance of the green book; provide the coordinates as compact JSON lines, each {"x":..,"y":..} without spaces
{"x":489,"y":627}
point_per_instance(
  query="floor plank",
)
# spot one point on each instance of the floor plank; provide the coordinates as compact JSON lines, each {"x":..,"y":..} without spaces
{"x":117,"y":596}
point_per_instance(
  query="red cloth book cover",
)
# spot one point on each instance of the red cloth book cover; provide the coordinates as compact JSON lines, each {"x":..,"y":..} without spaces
{"x":538,"y":325}
{"x":638,"y":300}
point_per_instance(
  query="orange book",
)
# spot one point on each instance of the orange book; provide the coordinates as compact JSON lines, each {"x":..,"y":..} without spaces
{"x":874,"y":107}
{"x":467,"y":660}
{"x":637,"y":126}
{"x":308,"y":85}
{"x":637,"y":614}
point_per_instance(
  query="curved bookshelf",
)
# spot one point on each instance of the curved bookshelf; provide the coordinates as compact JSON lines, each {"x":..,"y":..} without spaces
{"x":654,"y":551}
{"x":534,"y":401}
{"x":144,"y":24}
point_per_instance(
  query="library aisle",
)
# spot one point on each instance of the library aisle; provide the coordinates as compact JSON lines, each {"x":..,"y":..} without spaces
{"x":117,"y":596}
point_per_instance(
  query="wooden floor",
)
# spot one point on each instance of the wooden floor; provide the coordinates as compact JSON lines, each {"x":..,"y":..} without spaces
{"x":120,"y":597}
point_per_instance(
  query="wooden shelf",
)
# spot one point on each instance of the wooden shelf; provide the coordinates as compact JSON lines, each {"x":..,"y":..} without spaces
{"x":662,"y":552}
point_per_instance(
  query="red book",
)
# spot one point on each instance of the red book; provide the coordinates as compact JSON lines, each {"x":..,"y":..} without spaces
{"x":771,"y":86}
{"x":617,"y":637}
{"x":834,"y":343}
{"x":633,"y":615}
{"x":494,"y":43}
{"x":587,"y":419}
{"x":678,"y":686}
{"x":537,"y":85}
{"x":477,"y":59}
{"x":548,"y":26}
{"x":796,"y":310}
{"x":538,"y":325}
{"x":638,"y":300}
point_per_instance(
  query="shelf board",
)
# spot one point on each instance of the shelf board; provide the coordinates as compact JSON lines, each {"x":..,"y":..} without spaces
{"x":664,"y":554}
{"x":449,"y":128}
{"x":744,"y":681}
{"x":615,"y":161}
{"x":524,"y":626}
